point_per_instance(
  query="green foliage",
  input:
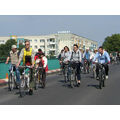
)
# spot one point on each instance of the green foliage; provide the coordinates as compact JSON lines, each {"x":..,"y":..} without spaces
{"x":21,"y":46}
{"x":112,"y":43}
{"x":5,"y":48}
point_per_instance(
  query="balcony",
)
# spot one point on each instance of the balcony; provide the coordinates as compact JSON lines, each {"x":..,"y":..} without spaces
{"x":51,"y":43}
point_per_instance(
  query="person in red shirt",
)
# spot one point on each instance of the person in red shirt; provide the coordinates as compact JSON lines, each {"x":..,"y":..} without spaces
{"x":41,"y":61}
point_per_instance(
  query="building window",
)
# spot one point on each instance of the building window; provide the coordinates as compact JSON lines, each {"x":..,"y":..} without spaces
{"x":42,"y":47}
{"x":35,"y":40}
{"x":48,"y":40}
{"x":35,"y":47}
{"x":52,"y":39}
{"x":42,"y":40}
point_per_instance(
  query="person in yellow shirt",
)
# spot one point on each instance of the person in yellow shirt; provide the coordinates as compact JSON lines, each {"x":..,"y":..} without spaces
{"x":27,"y":55}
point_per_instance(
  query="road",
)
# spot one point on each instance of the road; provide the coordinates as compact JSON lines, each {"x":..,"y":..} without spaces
{"x":58,"y":93}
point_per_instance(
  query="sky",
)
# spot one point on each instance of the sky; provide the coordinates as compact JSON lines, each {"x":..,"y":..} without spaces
{"x":94,"y":27}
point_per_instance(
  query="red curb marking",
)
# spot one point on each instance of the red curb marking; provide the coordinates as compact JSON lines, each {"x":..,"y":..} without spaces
{"x":2,"y":81}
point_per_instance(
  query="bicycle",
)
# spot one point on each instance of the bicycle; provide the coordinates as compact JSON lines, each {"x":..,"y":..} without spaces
{"x":117,"y":60}
{"x":73,"y":74}
{"x":86,"y":67}
{"x":38,"y":78}
{"x":94,"y":71}
{"x":25,"y":80}
{"x":65,"y":72}
{"x":101,"y":75}
{"x":12,"y":78}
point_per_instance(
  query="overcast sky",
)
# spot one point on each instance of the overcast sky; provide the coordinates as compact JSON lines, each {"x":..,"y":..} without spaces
{"x":92,"y":27}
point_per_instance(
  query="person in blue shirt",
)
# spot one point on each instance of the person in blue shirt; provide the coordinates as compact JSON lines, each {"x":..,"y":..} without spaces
{"x":103,"y":57}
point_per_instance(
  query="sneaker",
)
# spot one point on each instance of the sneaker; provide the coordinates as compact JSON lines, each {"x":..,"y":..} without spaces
{"x":78,"y":84}
{"x":30,"y":92}
{"x":97,"y":78}
{"x":106,"y":77}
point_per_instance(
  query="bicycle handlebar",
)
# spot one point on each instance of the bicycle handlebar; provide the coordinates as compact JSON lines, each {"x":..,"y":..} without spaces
{"x":25,"y":67}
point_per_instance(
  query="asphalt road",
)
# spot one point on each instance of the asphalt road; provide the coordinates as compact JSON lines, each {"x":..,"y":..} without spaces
{"x":58,"y":93}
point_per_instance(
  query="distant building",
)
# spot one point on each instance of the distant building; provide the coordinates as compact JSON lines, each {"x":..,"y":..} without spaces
{"x":52,"y":44}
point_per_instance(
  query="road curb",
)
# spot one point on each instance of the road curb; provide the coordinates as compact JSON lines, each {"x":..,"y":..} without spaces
{"x":5,"y":81}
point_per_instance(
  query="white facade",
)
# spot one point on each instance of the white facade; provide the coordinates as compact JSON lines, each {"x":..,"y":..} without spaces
{"x":54,"y":43}
{"x":4,"y":39}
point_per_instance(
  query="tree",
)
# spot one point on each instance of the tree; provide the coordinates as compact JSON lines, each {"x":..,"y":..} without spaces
{"x":5,"y":48}
{"x":112,"y":43}
{"x":21,"y":46}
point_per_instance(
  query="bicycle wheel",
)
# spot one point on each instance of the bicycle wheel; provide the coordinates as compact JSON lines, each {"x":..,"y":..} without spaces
{"x":94,"y":72}
{"x":84,"y":69}
{"x":36,"y":82}
{"x":100,"y":80}
{"x":22,"y":87}
{"x":11,"y":83}
{"x":103,"y":78}
{"x":75,"y":78}
{"x":43,"y":81}
{"x":71,"y":79}
{"x":65,"y":75}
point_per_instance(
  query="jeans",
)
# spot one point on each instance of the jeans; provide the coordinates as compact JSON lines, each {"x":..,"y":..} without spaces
{"x":16,"y":71}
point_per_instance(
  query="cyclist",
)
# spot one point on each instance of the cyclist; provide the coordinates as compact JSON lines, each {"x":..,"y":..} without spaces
{"x":86,"y":57}
{"x":41,"y":61}
{"x":118,"y":56}
{"x":93,"y":65}
{"x":82,"y":62}
{"x":38,"y":54}
{"x":45,"y":67}
{"x":27,"y":55}
{"x":60,"y":58}
{"x":14,"y":56}
{"x":66,"y":57}
{"x":103,"y":58}
{"x":76,"y":59}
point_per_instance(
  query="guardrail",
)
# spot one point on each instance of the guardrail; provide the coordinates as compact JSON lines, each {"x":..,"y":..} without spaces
{"x":53,"y":64}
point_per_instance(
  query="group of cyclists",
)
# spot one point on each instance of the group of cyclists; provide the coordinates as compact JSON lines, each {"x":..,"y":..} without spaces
{"x":27,"y":57}
{"x":71,"y":62}
{"x":115,"y":57}
{"x":83,"y":61}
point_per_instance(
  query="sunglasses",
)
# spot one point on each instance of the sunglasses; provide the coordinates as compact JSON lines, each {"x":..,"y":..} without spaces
{"x":27,"y":44}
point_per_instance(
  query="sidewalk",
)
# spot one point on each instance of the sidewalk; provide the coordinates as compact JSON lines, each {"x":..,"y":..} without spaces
{"x":5,"y":81}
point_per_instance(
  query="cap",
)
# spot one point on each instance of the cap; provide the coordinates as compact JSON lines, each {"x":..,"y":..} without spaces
{"x":14,"y":46}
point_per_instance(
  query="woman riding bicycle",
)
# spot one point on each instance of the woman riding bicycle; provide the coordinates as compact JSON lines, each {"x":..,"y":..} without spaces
{"x":76,"y":59}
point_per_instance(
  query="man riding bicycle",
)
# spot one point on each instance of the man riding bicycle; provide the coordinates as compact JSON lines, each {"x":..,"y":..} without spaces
{"x":103,"y":58}
{"x":27,"y":55}
{"x":14,"y":56}
{"x":76,"y":60}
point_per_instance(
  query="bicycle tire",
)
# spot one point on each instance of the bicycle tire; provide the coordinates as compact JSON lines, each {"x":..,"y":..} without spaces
{"x":22,"y":85}
{"x":11,"y":83}
{"x":71,"y":80}
{"x":100,"y":80}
